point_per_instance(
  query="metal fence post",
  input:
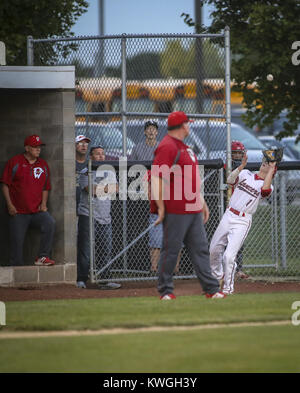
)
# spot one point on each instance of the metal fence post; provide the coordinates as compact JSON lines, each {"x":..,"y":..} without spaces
{"x":275,"y":248}
{"x":222,"y":188}
{"x":283,"y":201}
{"x":124,"y":95}
{"x":124,"y":133}
{"x":30,"y":51}
{"x":91,"y":220}
{"x":228,"y":104}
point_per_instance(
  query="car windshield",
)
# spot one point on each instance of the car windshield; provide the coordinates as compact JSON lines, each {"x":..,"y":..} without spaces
{"x":213,"y":135}
{"x":272,"y":143}
{"x":292,"y":145}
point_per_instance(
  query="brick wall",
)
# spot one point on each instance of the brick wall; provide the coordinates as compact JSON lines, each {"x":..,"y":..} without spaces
{"x":49,"y":114}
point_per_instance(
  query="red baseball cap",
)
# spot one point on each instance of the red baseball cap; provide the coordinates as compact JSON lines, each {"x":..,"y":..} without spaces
{"x":177,"y":118}
{"x":33,"y":140}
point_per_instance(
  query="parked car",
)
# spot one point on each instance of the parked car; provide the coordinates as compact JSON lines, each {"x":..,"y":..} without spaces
{"x":291,"y":148}
{"x":207,"y":137}
{"x":213,"y":135}
{"x":276,"y":127}
{"x":106,"y":135}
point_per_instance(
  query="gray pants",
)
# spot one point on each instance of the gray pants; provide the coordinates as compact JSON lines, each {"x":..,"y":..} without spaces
{"x":103,"y":245}
{"x":188,"y":229}
{"x":18,"y":226}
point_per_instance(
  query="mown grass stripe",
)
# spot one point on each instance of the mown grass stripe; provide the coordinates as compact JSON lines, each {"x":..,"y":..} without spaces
{"x":74,"y":333}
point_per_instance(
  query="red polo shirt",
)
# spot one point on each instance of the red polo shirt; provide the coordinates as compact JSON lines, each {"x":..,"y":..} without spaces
{"x":26,"y":182}
{"x":182,"y":186}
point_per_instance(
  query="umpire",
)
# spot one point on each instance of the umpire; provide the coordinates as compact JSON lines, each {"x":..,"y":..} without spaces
{"x":181,"y":208}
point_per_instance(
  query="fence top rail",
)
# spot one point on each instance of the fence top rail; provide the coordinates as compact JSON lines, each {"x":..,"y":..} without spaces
{"x":149,"y":114}
{"x":208,"y":164}
{"x":216,"y":163}
{"x":124,"y":35}
{"x":283,"y":165}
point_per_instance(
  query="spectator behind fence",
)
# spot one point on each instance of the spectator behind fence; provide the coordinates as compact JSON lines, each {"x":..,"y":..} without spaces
{"x":26,"y":184}
{"x":102,"y":222}
{"x":144,"y":151}
{"x":81,"y":145}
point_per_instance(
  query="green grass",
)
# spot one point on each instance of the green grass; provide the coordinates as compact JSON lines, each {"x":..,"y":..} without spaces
{"x":260,"y":245}
{"x":147,"y":311}
{"x":248,"y":349}
{"x":223,"y":349}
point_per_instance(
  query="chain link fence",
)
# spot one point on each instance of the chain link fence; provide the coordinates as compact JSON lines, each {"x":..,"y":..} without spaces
{"x":123,"y":81}
{"x":273,"y":244}
{"x":140,"y":74}
{"x":132,"y":249}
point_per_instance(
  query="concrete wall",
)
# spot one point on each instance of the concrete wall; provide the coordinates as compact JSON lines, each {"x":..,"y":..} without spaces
{"x":50,"y":114}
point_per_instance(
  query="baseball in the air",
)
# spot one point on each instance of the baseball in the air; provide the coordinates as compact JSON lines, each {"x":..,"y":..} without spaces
{"x":270,"y":77}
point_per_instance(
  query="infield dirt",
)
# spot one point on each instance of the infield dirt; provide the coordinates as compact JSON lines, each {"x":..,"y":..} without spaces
{"x":133,"y":289}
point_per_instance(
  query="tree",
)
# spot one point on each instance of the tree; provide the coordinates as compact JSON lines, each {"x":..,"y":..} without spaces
{"x":179,"y":62}
{"x":40,"y":19}
{"x":83,"y":70}
{"x":262,"y":33}
{"x":145,"y":65}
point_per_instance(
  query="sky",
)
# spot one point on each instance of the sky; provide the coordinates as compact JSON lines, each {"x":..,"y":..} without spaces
{"x":138,"y":17}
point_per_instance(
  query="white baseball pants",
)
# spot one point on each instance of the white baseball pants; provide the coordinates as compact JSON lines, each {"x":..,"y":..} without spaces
{"x":225,"y":244}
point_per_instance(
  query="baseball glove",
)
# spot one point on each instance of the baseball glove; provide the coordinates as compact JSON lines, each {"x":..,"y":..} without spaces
{"x":273,"y":155}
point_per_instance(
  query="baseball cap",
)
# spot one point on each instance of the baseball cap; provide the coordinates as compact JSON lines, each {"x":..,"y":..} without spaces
{"x":80,"y":138}
{"x":33,"y":140}
{"x":150,"y":123}
{"x":177,"y":118}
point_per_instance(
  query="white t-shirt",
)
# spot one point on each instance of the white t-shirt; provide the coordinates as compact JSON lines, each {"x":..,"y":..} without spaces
{"x":247,"y":192}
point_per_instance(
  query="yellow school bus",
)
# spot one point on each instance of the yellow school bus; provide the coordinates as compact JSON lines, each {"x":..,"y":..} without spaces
{"x":154,"y":95}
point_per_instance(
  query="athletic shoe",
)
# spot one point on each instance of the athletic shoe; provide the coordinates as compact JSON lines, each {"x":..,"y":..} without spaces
{"x":44,"y":261}
{"x":217,"y":295}
{"x":110,"y":285}
{"x":81,"y":284}
{"x":169,"y":296}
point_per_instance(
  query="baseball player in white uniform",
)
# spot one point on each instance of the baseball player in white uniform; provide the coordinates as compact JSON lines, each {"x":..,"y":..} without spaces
{"x":249,"y":189}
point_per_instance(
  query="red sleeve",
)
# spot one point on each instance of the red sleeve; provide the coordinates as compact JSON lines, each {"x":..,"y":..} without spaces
{"x":7,"y":173}
{"x":266,"y":193}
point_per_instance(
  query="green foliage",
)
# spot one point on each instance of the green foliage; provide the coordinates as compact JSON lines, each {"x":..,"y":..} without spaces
{"x":144,"y":65}
{"x":179,"y":62}
{"x":262,"y":33}
{"x":175,"y":61}
{"x":40,"y":19}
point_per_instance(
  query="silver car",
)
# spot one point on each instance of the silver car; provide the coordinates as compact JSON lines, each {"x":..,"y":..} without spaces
{"x":107,"y":135}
